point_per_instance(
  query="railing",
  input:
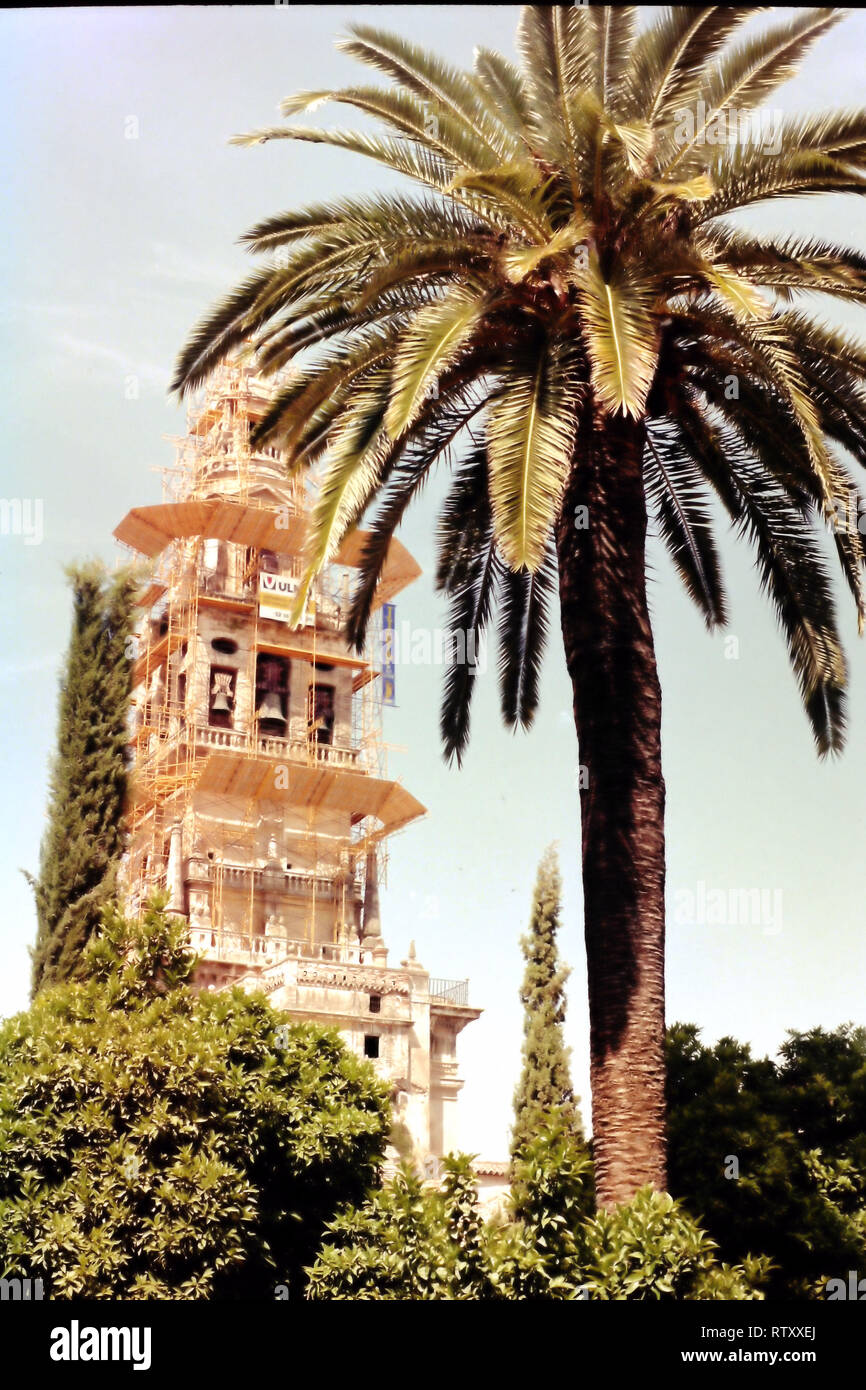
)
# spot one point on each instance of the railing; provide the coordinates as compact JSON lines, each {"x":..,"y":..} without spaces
{"x":285,"y":880}
{"x":329,"y":615}
{"x":447,"y":1069}
{"x":230,"y":944}
{"x":294,"y":749}
{"x":160,"y":731}
{"x":450,"y":991}
{"x":223,"y":945}
{"x":218,"y":586}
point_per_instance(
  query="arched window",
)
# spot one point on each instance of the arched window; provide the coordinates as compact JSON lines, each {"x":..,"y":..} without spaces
{"x":320,"y":713}
{"x":272,"y":693}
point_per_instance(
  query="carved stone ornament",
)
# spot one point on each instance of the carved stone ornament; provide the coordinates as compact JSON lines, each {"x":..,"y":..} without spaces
{"x":344,"y":977}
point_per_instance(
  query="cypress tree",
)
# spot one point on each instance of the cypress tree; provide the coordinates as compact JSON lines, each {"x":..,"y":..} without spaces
{"x":544,"y":1095}
{"x":84,"y":836}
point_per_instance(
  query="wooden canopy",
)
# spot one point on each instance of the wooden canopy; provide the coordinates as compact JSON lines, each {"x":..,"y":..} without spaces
{"x":149,"y":530}
{"x":227,"y":772}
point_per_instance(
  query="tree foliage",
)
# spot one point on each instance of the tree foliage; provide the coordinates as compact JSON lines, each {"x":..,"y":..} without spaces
{"x":409,"y":1241}
{"x":84,"y":838}
{"x":771,"y":1154}
{"x":569,"y":256}
{"x":414,"y":1241}
{"x":544,"y":1090}
{"x":160,"y":1143}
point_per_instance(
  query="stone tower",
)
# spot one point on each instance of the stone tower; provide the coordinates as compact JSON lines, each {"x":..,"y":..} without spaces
{"x":259,"y":799}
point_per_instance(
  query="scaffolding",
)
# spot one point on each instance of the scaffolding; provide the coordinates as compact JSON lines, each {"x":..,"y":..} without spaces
{"x":228,"y":509}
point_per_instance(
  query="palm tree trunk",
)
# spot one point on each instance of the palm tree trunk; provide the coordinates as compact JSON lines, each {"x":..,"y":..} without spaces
{"x":617,"y":709}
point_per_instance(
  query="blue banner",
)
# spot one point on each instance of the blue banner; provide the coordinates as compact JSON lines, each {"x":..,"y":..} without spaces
{"x":389,"y":665}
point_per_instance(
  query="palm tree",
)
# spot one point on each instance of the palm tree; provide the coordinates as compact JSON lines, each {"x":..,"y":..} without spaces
{"x":566,"y":315}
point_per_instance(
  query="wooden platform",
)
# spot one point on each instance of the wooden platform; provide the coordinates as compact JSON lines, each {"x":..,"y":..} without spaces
{"x":148,"y":530}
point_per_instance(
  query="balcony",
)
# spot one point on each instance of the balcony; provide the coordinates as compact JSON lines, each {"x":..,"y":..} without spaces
{"x":291,"y":749}
{"x":246,"y":948}
{"x":226,"y":944}
{"x":288,"y":882}
{"x":163,"y":731}
{"x":449,"y":992}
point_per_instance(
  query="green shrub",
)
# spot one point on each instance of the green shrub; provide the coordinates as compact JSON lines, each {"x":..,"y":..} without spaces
{"x":771,"y":1153}
{"x":412,"y":1242}
{"x":160,"y":1143}
{"x":409,"y":1241}
{"x":652,"y":1249}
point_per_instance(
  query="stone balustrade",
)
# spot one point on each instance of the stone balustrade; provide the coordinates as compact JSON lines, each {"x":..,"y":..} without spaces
{"x":174,"y":732}
{"x":246,"y":947}
{"x":292,"y":749}
{"x":282,"y":881}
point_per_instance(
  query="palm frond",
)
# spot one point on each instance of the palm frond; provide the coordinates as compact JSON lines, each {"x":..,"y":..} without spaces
{"x":464,"y":523}
{"x":838,"y":133}
{"x":430,"y":345}
{"x":468,"y":616}
{"x":520,"y":261}
{"x":516,"y":188}
{"x":223,"y":329}
{"x":840,"y":397}
{"x":393,"y":216}
{"x":614,"y":30}
{"x":751,"y":72}
{"x":414,"y":160}
{"x":741,"y":296}
{"x":801,"y":264}
{"x":791,"y":570}
{"x":674,"y":489}
{"x":772,"y":348}
{"x":635,"y":139}
{"x":817,"y":339}
{"x":430,"y":78}
{"x":505,"y":86}
{"x":354,"y":468}
{"x":621,"y":336}
{"x":668,"y":54}
{"x":530,"y":436}
{"x":405,"y":472}
{"x":848,"y":540}
{"x":557,"y":45}
{"x":523,"y":624}
{"x":435,"y":265}
{"x":760,"y":416}
{"x":751,"y":175}
{"x":435,"y":126}
{"x":296,"y":407}
{"x":761,"y":419}
{"x":294,"y":333}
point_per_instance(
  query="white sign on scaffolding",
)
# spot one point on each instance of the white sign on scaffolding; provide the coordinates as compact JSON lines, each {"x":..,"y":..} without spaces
{"x":277,"y":596}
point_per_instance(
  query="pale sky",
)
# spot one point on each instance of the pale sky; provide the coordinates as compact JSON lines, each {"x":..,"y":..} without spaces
{"x":113,"y":247}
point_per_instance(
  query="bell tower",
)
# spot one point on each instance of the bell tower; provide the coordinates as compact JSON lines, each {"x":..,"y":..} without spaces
{"x":260,"y":800}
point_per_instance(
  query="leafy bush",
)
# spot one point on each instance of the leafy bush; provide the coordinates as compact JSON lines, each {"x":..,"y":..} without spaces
{"x":412,"y":1242}
{"x":160,"y":1143}
{"x":408,"y":1241}
{"x":772,"y":1153}
{"x":652,"y":1249}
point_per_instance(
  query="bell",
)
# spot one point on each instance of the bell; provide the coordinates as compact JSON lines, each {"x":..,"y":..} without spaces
{"x":221,"y":704}
{"x":271,"y":707}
